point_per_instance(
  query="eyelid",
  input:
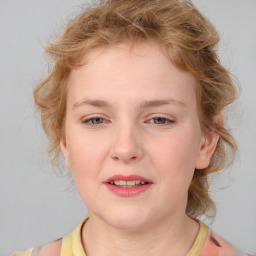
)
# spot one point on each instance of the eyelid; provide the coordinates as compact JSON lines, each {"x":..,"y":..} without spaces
{"x":87,"y":119}
{"x":168,"y":119}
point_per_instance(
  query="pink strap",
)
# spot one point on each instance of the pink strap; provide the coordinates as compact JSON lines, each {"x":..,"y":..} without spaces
{"x":211,"y":246}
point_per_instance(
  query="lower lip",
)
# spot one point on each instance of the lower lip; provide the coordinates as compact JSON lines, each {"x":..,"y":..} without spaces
{"x":128,"y":192}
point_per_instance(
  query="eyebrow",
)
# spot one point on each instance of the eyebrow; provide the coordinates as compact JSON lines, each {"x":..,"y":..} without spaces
{"x":94,"y":103}
{"x":156,"y":103}
{"x":144,"y":104}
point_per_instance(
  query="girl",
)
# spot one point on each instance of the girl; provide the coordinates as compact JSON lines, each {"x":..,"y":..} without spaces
{"x":134,"y":103}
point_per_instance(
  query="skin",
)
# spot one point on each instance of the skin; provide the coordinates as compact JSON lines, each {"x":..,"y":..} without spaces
{"x":163,"y":143}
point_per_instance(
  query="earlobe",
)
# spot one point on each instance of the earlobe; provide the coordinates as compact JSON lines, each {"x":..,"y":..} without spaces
{"x":209,"y":143}
{"x":64,"y":151}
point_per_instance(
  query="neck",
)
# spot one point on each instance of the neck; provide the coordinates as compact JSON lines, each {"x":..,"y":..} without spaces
{"x":172,"y":236}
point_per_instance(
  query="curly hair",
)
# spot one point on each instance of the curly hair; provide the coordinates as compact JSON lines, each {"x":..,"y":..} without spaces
{"x":190,"y":41}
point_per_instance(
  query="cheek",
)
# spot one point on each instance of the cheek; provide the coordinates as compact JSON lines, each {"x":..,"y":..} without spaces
{"x":174,"y":158}
{"x":86,"y":152}
{"x":175,"y":151}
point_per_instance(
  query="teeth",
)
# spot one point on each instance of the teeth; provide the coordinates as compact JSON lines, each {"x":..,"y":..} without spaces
{"x":128,"y":183}
{"x":122,"y":182}
{"x":131,"y":182}
{"x":116,"y":182}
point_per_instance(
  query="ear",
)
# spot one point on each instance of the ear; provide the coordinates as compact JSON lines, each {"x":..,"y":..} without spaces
{"x":208,"y":145}
{"x":64,"y":150}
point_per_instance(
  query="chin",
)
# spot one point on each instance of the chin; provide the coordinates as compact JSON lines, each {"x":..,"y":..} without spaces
{"x":129,"y":219}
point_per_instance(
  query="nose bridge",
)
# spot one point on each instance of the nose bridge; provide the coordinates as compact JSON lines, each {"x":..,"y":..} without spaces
{"x":126,"y":142}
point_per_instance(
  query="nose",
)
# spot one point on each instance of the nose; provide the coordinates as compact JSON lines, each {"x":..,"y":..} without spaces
{"x":127,"y":145}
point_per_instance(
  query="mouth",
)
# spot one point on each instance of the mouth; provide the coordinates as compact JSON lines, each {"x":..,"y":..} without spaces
{"x":127,"y":186}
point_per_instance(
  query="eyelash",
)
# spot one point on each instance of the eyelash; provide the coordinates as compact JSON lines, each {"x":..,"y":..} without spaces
{"x":89,"y":120}
{"x":167,"y":121}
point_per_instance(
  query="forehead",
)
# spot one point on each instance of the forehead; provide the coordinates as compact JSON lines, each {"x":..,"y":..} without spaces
{"x":141,"y":71}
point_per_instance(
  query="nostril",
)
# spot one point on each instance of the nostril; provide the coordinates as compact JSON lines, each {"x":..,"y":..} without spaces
{"x":126,"y":151}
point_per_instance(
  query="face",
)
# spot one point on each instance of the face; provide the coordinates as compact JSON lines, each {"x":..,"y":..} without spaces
{"x":132,"y":135}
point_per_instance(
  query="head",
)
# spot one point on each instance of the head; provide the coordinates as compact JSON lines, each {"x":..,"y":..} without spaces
{"x":189,"y":42}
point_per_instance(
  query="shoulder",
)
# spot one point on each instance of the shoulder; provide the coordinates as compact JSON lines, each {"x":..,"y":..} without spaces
{"x":25,"y":253}
{"x":53,"y":249}
{"x":217,"y":245}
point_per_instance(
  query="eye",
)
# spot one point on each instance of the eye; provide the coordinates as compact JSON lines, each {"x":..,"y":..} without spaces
{"x":94,"y":120}
{"x":161,"y":120}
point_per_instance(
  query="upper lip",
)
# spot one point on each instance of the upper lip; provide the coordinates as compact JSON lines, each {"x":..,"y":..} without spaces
{"x":127,"y":178}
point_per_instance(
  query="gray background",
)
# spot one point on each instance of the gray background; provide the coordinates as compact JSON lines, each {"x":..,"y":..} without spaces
{"x":36,"y":205}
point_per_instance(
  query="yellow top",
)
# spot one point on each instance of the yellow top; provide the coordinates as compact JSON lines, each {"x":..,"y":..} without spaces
{"x":200,"y":240}
{"x":72,"y":245}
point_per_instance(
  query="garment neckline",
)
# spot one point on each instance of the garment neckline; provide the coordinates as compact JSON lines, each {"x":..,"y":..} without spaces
{"x":197,"y":246}
{"x":200,"y":240}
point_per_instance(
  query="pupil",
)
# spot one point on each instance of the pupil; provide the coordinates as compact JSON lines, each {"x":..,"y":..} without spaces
{"x":97,"y":120}
{"x":160,"y":120}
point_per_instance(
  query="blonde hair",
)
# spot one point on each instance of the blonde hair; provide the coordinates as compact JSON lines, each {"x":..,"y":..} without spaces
{"x":190,"y":41}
